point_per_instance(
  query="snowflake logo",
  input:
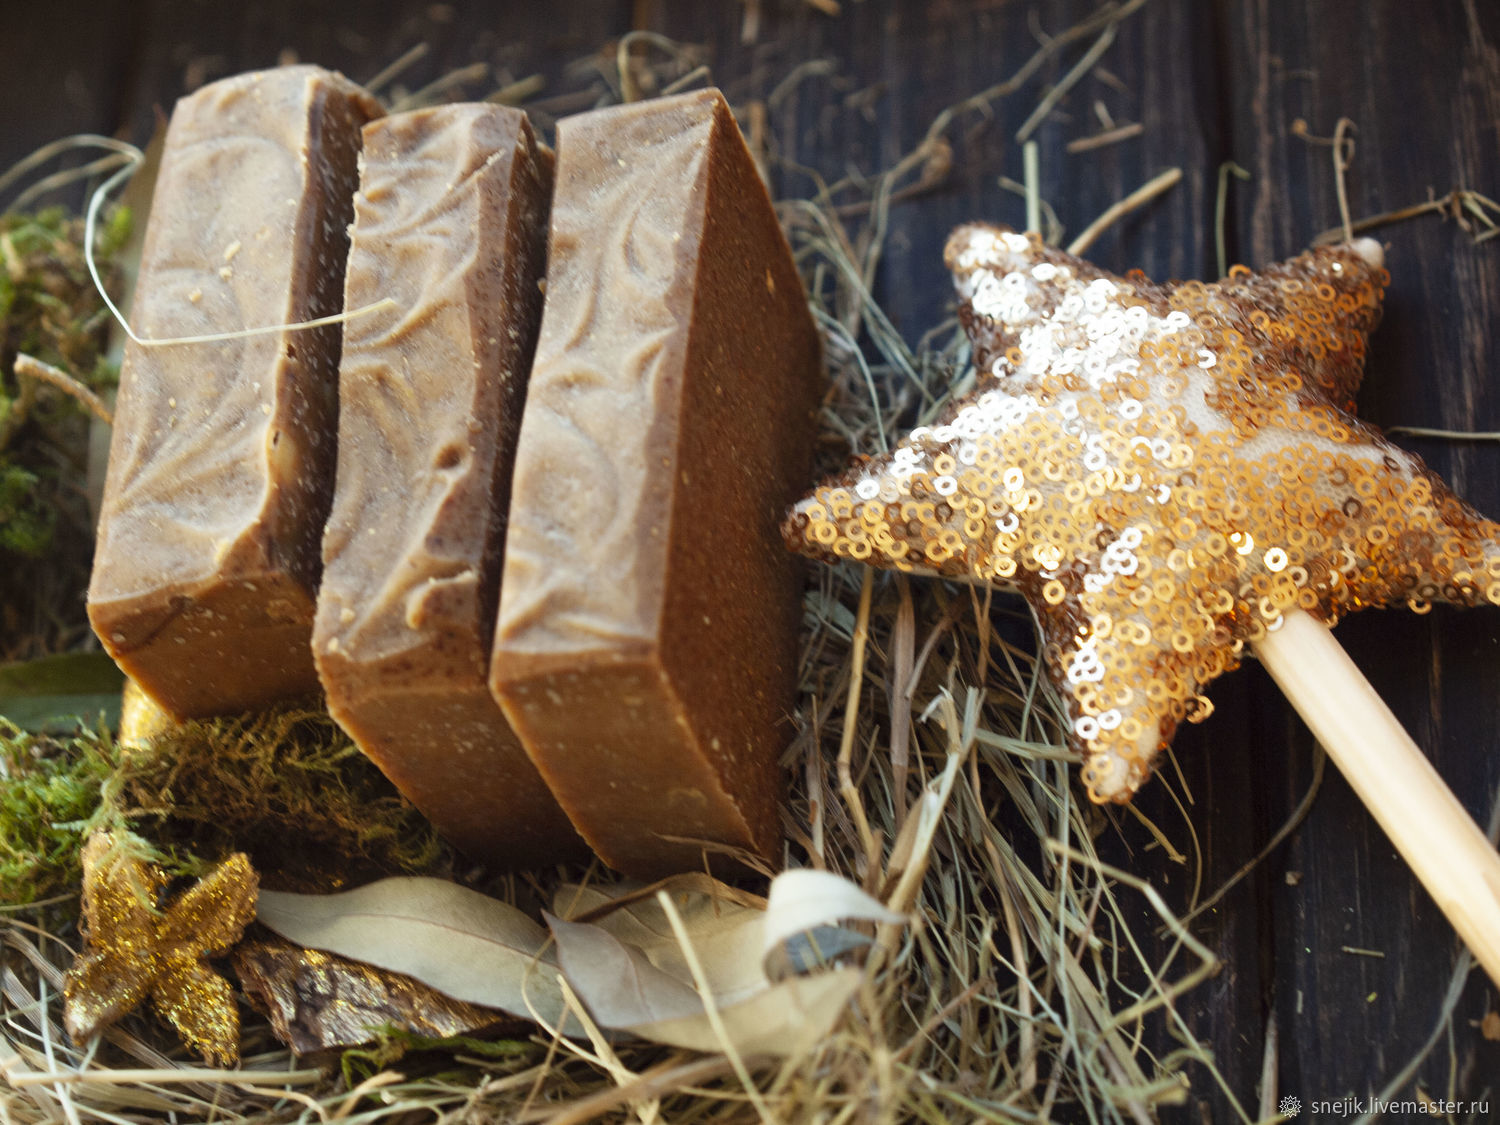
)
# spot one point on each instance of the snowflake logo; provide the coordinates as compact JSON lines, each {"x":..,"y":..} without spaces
{"x":1290,"y":1106}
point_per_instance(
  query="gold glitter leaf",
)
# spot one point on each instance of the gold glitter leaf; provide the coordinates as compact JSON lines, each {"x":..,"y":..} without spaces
{"x":135,"y":950}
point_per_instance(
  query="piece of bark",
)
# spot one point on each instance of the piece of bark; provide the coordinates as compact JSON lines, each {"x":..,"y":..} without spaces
{"x":319,"y":1002}
{"x":647,"y":642}
{"x":221,"y":461}
{"x":450,"y":221}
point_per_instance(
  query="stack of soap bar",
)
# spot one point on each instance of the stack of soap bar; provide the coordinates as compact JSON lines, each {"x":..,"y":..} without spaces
{"x":450,"y":222}
{"x":221,"y":462}
{"x":647,"y":641}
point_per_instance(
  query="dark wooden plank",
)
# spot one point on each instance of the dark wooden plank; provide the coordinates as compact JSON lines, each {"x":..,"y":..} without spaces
{"x":1422,"y":82}
{"x":1209,"y":82}
{"x":63,"y":77}
{"x":894,"y":67}
{"x":182,"y":46}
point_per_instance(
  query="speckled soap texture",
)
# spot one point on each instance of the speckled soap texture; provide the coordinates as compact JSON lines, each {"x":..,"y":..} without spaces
{"x":221,"y":461}
{"x":647,"y":642}
{"x":450,"y":224}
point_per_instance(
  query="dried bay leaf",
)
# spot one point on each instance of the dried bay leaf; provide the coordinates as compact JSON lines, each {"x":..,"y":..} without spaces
{"x":462,"y":943}
{"x":618,"y":982}
{"x":619,"y":950}
{"x":726,"y":935}
{"x":785,"y":1020}
{"x":625,"y":991}
{"x":632,"y":972}
{"x":805,"y":899}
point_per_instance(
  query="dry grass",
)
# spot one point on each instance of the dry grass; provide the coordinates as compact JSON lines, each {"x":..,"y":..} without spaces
{"x":930,"y":768}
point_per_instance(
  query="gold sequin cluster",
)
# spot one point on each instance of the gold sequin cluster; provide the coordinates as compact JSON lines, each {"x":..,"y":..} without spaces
{"x":1162,"y":471}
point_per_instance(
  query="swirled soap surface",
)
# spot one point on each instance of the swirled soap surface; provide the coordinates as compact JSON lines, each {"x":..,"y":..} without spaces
{"x":221,"y":460}
{"x":646,"y":644}
{"x":450,"y":225}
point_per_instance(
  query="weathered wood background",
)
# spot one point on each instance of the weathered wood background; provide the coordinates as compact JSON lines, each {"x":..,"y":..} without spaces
{"x":1210,"y":82}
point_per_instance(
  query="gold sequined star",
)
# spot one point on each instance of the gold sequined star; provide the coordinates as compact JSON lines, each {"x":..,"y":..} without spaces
{"x":137,"y":951}
{"x":1162,"y":471}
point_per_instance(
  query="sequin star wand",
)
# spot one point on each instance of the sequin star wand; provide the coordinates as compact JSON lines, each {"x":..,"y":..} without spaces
{"x":1167,"y":474}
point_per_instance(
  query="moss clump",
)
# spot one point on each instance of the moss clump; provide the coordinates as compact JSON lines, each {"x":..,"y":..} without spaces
{"x":50,"y":310}
{"x":49,"y":307}
{"x":49,"y":789}
{"x":288,"y":787}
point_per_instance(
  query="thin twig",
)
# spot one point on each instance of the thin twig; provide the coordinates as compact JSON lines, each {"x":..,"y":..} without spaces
{"x":394,"y":69}
{"x":1454,"y":206}
{"x":651,"y":1084}
{"x":428,"y":94}
{"x":711,"y":1007}
{"x":1462,"y":965}
{"x":695,"y":75}
{"x":847,"y":788}
{"x":1446,"y":435}
{"x":1299,"y":814}
{"x":1343,"y":152}
{"x":1108,"y":137}
{"x":1030,"y":158}
{"x":20,"y":168}
{"x":514,"y":93}
{"x":1069,"y":80}
{"x":1138,"y":198}
{"x":67,"y":176}
{"x":1107,"y":16}
{"x":34,"y":368}
{"x":169,"y":1075}
{"x":630,"y":89}
{"x":1221,"y":200}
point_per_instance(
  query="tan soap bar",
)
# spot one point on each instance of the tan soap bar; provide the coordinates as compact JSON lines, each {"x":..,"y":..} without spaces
{"x":647,"y":642}
{"x":221,"y":461}
{"x":451,"y":223}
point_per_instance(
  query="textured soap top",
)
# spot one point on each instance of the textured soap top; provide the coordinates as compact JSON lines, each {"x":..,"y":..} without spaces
{"x":450,"y":224}
{"x":646,"y":645}
{"x":221,"y":460}
{"x":601,"y":443}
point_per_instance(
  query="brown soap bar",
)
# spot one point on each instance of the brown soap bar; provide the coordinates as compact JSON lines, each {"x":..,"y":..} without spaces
{"x":450,"y":222}
{"x":647,"y":643}
{"x":221,"y":462}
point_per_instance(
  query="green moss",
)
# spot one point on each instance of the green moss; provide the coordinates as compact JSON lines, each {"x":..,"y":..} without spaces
{"x":49,"y":309}
{"x":287,"y":787}
{"x":26,"y":522}
{"x":51,"y":790}
{"x":392,"y":1044}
